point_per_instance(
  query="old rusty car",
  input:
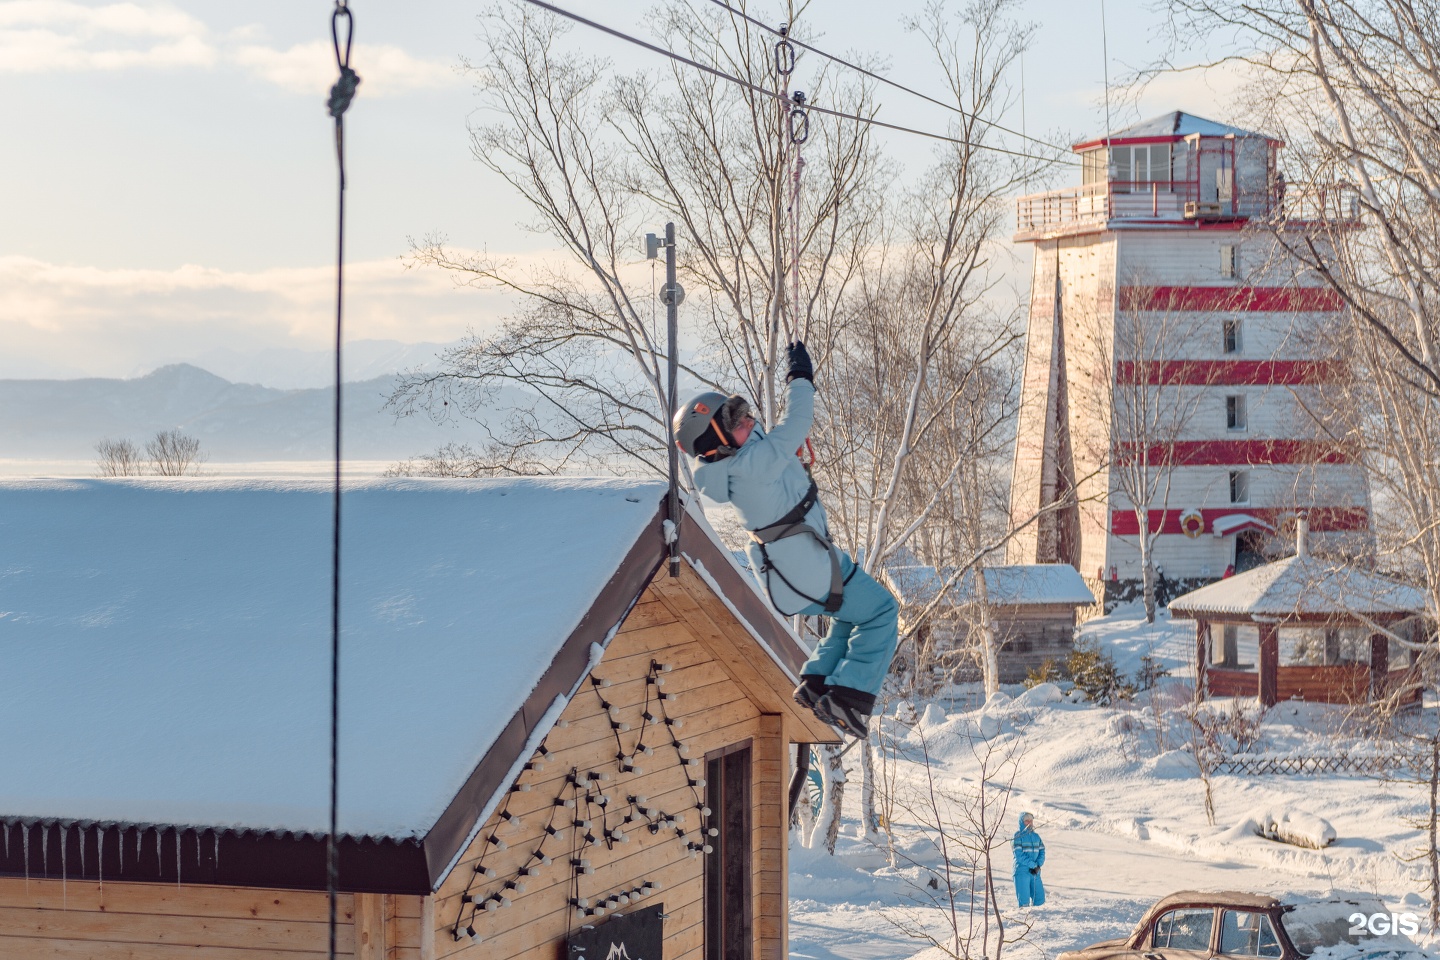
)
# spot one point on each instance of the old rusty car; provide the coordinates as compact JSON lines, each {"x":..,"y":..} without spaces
{"x":1192,"y":925}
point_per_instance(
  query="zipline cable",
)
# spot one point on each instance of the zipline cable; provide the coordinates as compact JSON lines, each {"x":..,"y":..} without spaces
{"x":783,"y":32}
{"x":681,"y":58}
{"x":340,"y":96}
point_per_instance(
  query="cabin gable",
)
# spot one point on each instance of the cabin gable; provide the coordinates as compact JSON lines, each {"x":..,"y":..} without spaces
{"x":724,"y":699}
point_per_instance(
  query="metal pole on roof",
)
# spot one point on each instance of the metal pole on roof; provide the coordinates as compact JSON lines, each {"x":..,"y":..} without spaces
{"x":672,"y":295}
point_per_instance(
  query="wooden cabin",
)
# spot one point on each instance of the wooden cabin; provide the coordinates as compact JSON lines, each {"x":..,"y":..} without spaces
{"x":1032,"y":608}
{"x":1305,"y":628}
{"x":548,"y":743}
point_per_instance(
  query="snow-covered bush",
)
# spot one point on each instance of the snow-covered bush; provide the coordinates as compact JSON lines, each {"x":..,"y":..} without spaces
{"x":1285,"y":825}
{"x":1094,"y":671}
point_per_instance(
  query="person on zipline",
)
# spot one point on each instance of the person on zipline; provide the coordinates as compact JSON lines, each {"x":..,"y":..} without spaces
{"x":761,"y":476}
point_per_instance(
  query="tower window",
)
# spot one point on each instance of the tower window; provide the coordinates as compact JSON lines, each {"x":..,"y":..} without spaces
{"x":1229,"y":260}
{"x":1235,"y":413}
{"x":1231,"y":336}
{"x":1239,"y":486}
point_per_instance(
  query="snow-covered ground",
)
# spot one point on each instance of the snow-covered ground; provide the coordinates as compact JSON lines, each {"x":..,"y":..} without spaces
{"x":1120,"y":807}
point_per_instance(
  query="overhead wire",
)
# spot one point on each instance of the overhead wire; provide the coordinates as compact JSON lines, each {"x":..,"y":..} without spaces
{"x":883,"y":79}
{"x":872,"y":121}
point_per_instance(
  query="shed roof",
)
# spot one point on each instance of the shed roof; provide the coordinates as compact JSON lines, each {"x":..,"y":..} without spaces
{"x":1302,"y":585}
{"x":1023,"y":584}
{"x":167,"y":648}
{"x":1176,"y":123}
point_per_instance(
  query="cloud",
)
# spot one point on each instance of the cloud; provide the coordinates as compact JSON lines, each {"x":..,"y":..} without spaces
{"x":63,"y":321}
{"x":310,"y":68}
{"x":55,"y":36}
{"x":39,"y":36}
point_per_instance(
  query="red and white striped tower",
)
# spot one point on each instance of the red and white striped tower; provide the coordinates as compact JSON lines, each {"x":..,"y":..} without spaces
{"x":1154,"y":286}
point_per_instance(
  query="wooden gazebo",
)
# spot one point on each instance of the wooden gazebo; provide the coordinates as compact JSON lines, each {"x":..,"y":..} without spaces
{"x":1304,"y":628}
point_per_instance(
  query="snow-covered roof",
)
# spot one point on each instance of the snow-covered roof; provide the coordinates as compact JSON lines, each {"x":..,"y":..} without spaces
{"x":1176,"y":123}
{"x":166,"y":644}
{"x":1236,"y":522}
{"x":1300,"y":586}
{"x":1015,"y":585}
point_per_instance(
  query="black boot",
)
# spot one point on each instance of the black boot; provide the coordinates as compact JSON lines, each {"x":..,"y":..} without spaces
{"x":812,"y":688}
{"x":847,"y":708}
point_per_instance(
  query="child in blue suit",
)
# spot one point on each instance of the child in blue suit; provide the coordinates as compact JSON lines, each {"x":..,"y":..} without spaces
{"x":1029,"y":852}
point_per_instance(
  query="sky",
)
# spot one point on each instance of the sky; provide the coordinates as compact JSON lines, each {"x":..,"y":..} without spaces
{"x":168,"y":176}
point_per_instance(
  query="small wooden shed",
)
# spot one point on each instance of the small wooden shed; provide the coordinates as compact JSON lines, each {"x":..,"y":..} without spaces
{"x":545,"y":739}
{"x":1032,"y":608}
{"x":1304,"y":628}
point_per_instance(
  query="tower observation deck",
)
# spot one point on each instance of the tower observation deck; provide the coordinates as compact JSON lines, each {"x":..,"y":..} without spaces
{"x":1173,"y":348}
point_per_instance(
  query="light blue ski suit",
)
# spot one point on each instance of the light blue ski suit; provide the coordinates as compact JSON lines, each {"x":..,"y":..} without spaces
{"x":764,"y":481}
{"x":1029,"y":852}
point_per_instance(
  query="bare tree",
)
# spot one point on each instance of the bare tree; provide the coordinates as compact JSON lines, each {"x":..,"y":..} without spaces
{"x":601,"y":162}
{"x":117,"y":458}
{"x":1351,"y":85}
{"x":173,"y":454}
{"x":955,"y":839}
{"x":1142,"y":396}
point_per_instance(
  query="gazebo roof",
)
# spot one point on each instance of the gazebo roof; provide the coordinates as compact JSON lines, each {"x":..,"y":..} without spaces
{"x":1300,"y":586}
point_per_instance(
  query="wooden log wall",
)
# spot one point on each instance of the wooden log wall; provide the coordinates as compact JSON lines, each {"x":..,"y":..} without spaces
{"x":60,"y":920}
{"x":664,"y":626}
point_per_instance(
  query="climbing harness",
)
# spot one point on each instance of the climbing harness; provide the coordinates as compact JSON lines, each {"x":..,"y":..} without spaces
{"x":794,"y":524}
{"x":340,"y":96}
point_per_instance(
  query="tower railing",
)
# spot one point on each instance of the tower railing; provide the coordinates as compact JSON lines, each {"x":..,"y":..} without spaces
{"x":1094,"y":205}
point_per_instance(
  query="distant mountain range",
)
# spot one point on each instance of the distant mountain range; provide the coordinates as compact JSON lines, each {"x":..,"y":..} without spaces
{"x":64,"y":419}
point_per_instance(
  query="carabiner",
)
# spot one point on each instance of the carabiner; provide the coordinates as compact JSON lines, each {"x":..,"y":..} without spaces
{"x":799,"y":119}
{"x":784,"y":52}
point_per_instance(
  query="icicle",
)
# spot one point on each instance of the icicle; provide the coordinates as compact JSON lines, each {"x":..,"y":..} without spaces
{"x":177,"y":856}
{"x":198,"y":864}
{"x":139,"y":838}
{"x":217,"y":854}
{"x":7,"y":839}
{"x":159,"y":853}
{"x":45,"y":849}
{"x":64,"y":893}
{"x":80,"y":838}
{"x":100,"y":856}
{"x":25,"y":843}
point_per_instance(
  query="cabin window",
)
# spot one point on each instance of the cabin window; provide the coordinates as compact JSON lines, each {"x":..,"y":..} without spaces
{"x":1234,"y":645}
{"x":1239,"y":486}
{"x":1235,"y":413}
{"x":1184,"y":930}
{"x":727,"y":866}
{"x":1321,"y":646}
{"x":1136,"y":167}
{"x":1230,"y":336}
{"x":1244,"y":933}
{"x":1092,"y":166}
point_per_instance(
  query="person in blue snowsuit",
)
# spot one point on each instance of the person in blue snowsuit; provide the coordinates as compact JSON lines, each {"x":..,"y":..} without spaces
{"x":1029,"y":852}
{"x":760,"y":475}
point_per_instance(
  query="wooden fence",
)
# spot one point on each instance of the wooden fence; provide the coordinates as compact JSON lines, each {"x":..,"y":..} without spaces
{"x":1335,"y":763}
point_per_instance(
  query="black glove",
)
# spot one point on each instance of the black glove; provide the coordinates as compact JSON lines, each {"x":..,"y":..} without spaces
{"x":1034,"y":869}
{"x":801,"y":368}
{"x":811,"y":689}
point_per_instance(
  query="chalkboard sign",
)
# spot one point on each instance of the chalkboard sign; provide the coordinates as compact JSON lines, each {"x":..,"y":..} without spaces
{"x":633,"y":936}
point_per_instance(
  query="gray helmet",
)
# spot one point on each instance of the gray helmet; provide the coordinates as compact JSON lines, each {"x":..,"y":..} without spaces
{"x":703,"y":426}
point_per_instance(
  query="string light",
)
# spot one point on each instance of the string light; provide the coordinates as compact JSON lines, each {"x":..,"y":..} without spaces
{"x":584,"y":804}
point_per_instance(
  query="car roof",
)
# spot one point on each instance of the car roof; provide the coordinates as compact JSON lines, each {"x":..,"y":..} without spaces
{"x":1217,"y":898}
